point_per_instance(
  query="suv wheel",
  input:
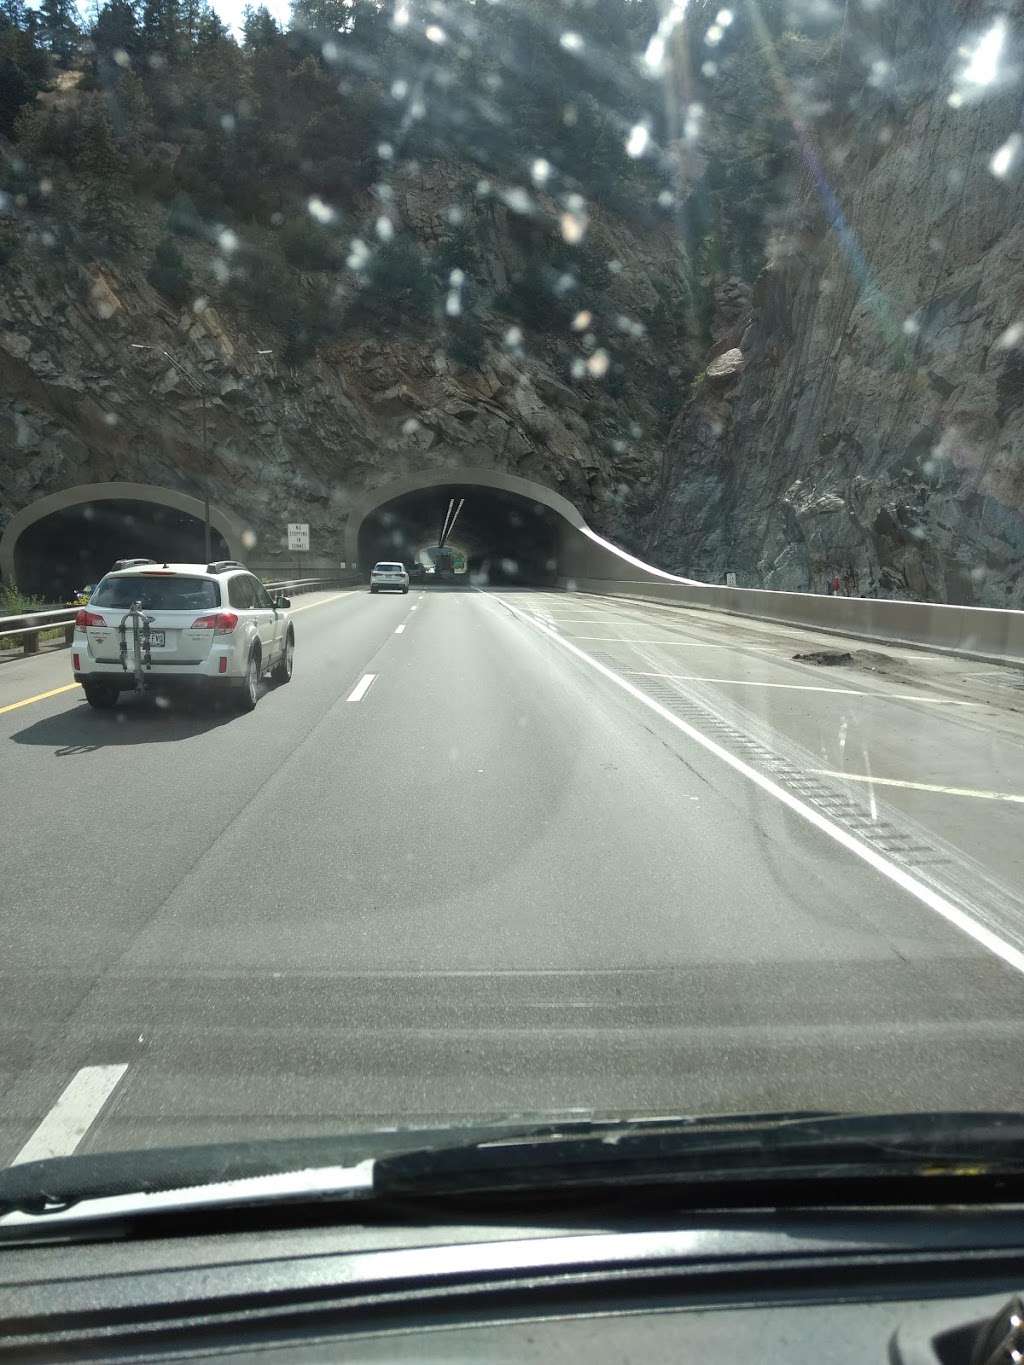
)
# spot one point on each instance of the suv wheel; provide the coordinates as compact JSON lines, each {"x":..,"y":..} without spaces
{"x":100,"y":695}
{"x":283,"y":668}
{"x":248,"y":693}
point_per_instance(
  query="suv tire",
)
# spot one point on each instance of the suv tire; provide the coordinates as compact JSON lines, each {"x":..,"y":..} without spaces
{"x":247,"y":693}
{"x":100,"y":695}
{"x":282,"y":670}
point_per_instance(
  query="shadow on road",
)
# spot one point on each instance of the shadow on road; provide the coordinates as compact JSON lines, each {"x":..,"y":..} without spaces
{"x":84,"y":731}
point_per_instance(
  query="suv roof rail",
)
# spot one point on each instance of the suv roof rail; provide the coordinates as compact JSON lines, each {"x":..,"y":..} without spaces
{"x":219,"y":565}
{"x":130,"y":563}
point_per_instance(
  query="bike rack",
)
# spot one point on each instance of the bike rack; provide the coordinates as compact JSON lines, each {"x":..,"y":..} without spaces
{"x":140,"y":624}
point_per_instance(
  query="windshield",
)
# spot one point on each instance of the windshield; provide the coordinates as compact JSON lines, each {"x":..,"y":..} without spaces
{"x":161,"y":594}
{"x":621,"y":404}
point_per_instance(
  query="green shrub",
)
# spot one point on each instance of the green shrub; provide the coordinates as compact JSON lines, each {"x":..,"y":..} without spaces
{"x":169,"y":274}
{"x":399,"y":288}
{"x":308,"y":246}
{"x":467,"y":340}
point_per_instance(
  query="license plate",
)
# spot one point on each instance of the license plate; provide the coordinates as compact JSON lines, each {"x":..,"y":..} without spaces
{"x":156,"y":639}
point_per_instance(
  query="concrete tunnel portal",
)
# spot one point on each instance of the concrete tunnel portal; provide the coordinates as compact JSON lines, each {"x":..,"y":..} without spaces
{"x":500,"y":536}
{"x":511,"y":529}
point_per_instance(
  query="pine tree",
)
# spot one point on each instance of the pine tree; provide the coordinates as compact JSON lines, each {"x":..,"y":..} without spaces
{"x":116,"y":29}
{"x":162,"y":29}
{"x":191,"y":13}
{"x":12,"y":12}
{"x":210,"y":30}
{"x":58,"y":22}
{"x":259,"y":28}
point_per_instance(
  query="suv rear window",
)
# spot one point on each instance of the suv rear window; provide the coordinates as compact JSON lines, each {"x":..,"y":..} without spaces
{"x":157,"y":594}
{"x":389,"y":568}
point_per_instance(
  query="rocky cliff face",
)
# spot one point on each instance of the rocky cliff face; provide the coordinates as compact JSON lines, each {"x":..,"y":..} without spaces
{"x":859,"y":411}
{"x":867,"y":417}
{"x":78,"y":404}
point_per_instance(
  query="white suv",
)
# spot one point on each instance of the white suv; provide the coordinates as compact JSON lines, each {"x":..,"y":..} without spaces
{"x":207,"y":626}
{"x":388,"y":574}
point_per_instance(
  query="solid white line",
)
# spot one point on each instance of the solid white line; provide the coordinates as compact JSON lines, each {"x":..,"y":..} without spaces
{"x":362,"y":687}
{"x":399,"y":629}
{"x":625,"y":640}
{"x":901,"y":878}
{"x":981,"y":794}
{"x":73,"y":1115}
{"x":806,"y":687}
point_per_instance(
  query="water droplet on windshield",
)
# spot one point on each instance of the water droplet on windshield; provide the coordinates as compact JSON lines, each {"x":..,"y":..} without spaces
{"x":517,"y":199}
{"x":1005,"y":158}
{"x":540,"y":171}
{"x":323,"y":213}
{"x":582,"y":320}
{"x":384,"y":228}
{"x":435,"y":33}
{"x":572,"y":42}
{"x":574,"y":227}
{"x":597,"y":364}
{"x":636,"y":143}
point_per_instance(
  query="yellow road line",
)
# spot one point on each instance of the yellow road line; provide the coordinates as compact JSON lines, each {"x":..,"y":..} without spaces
{"x":920,"y":786}
{"x":40,"y":696}
{"x":70,"y":687}
{"x":310,"y":605}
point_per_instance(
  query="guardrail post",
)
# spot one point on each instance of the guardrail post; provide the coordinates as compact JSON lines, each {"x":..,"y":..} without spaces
{"x":69,"y":633}
{"x":31,"y":642}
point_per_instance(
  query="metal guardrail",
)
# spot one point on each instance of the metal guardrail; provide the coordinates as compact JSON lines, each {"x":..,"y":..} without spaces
{"x":29,"y":625}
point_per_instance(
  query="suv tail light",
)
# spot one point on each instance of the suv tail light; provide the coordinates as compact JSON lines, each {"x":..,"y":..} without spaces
{"x":220,"y":622}
{"x":88,"y":618}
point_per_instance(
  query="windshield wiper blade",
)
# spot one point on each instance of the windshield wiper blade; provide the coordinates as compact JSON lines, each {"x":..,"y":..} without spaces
{"x":401,"y":1167}
{"x":53,"y":1185}
{"x":925,"y":1144}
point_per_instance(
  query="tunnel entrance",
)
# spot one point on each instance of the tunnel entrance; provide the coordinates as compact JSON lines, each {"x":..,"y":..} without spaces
{"x":69,"y":548}
{"x":499,"y":536}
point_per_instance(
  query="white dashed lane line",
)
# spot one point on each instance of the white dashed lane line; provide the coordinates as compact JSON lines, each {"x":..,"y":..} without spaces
{"x":362,"y":687}
{"x":399,"y":630}
{"x":73,"y":1115}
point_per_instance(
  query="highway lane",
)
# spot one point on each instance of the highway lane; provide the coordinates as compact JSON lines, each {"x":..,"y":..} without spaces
{"x":495,"y":883}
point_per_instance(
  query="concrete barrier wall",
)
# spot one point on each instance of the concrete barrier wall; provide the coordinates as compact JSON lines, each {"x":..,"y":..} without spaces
{"x":975,"y":632}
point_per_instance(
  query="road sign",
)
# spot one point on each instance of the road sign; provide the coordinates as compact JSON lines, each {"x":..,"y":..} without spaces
{"x":298,"y":535}
{"x":730,"y":580}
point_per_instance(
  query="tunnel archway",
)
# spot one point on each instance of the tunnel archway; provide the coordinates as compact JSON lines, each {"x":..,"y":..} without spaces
{"x":61,"y":542}
{"x":510,"y":529}
{"x":552,"y":527}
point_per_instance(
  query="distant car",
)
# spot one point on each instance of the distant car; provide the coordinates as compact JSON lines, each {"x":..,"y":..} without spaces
{"x":211,"y":627}
{"x":388,"y":574}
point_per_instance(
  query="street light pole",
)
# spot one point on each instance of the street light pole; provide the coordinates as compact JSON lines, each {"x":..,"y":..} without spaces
{"x":201,"y":390}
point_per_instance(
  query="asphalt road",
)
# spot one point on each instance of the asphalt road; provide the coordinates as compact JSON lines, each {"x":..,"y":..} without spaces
{"x":563,"y":853}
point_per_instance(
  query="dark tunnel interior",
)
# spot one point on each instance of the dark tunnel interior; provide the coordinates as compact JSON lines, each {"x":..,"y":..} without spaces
{"x":65,"y":550}
{"x":505,"y":537}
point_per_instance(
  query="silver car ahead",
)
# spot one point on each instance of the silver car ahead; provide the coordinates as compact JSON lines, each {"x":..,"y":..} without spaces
{"x":388,"y":574}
